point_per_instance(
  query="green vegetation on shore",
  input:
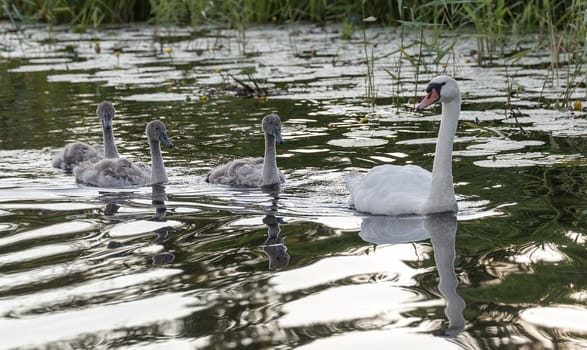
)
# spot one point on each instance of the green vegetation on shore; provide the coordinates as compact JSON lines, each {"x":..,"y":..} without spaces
{"x":496,"y":14}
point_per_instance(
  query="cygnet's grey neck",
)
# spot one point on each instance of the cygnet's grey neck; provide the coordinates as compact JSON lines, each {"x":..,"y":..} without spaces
{"x":442,"y":195}
{"x":158,"y":174}
{"x":270,"y":172}
{"x":110,"y":150}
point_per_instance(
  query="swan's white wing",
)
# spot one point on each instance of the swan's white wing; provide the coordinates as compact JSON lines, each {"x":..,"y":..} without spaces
{"x":390,"y":189}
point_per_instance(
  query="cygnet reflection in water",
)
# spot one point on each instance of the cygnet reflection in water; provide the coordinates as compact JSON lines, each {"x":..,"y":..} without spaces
{"x":154,"y":248}
{"x":159,"y":196}
{"x":441,"y":229}
{"x":274,"y":246}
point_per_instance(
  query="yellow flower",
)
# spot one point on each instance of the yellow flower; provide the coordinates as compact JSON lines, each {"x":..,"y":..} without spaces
{"x":168,"y":50}
{"x":578,"y":105}
{"x":218,"y":70}
{"x":203,"y":98}
{"x":363,"y":120}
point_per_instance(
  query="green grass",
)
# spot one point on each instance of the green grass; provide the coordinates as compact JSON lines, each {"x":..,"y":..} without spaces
{"x":493,"y":15}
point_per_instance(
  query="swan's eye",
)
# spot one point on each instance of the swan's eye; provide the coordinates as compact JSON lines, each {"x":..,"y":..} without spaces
{"x":435,"y":86}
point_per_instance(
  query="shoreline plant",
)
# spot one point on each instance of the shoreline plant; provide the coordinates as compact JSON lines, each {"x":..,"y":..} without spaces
{"x":491,"y":17}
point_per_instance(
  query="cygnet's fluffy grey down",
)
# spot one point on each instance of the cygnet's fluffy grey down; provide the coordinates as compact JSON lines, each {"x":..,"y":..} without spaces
{"x":121,"y":172}
{"x":76,"y":153}
{"x":253,"y":172}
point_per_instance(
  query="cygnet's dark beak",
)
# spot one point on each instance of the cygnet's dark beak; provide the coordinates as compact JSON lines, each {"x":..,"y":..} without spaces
{"x":165,"y":140}
{"x":107,"y":123}
{"x":277,"y":134}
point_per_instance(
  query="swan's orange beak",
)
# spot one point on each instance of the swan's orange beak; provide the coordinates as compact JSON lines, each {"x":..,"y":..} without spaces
{"x":430,"y":99}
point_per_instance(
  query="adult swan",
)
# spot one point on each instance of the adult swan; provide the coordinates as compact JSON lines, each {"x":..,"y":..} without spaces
{"x":409,"y":189}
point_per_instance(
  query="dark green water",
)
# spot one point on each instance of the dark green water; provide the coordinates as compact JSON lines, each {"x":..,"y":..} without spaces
{"x":192,"y":267}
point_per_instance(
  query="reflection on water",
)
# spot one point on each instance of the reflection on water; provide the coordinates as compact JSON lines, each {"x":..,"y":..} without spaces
{"x":194,"y":265}
{"x":159,"y":197}
{"x":441,"y":229}
{"x":126,"y":227}
{"x":274,"y":245}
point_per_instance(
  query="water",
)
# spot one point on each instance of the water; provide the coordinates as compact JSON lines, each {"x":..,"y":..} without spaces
{"x":199,"y":266}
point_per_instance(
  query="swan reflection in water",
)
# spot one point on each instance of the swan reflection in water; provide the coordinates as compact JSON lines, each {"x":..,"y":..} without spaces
{"x":441,"y":229}
{"x":131,"y":225}
{"x":274,"y":246}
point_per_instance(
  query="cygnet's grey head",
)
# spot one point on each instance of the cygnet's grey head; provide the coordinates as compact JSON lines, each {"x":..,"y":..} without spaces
{"x":105,"y":113}
{"x":157,"y":132}
{"x":272,"y":126}
{"x":440,"y":89}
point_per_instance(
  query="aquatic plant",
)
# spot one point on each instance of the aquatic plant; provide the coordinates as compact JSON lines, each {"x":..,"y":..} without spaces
{"x":370,"y":91}
{"x":247,"y":90}
{"x":489,"y":18}
{"x":557,"y":25}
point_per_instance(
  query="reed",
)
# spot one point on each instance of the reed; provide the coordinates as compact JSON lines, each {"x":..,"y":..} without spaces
{"x":493,"y":16}
{"x":81,"y":13}
{"x":370,"y":90}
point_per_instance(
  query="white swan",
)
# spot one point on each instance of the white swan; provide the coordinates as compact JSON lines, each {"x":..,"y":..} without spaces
{"x":409,"y":189}
{"x":75,"y":153}
{"x":253,"y":172}
{"x":120,"y":172}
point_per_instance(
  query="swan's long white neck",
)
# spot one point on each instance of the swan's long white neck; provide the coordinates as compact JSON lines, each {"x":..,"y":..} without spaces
{"x":158,"y":174}
{"x":442,"y":194}
{"x":110,"y":150}
{"x":270,"y":174}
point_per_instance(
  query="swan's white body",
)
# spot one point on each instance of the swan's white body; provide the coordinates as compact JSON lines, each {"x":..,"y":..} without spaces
{"x":120,"y":172}
{"x":253,"y":172}
{"x":76,"y":153}
{"x":410,"y":189}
